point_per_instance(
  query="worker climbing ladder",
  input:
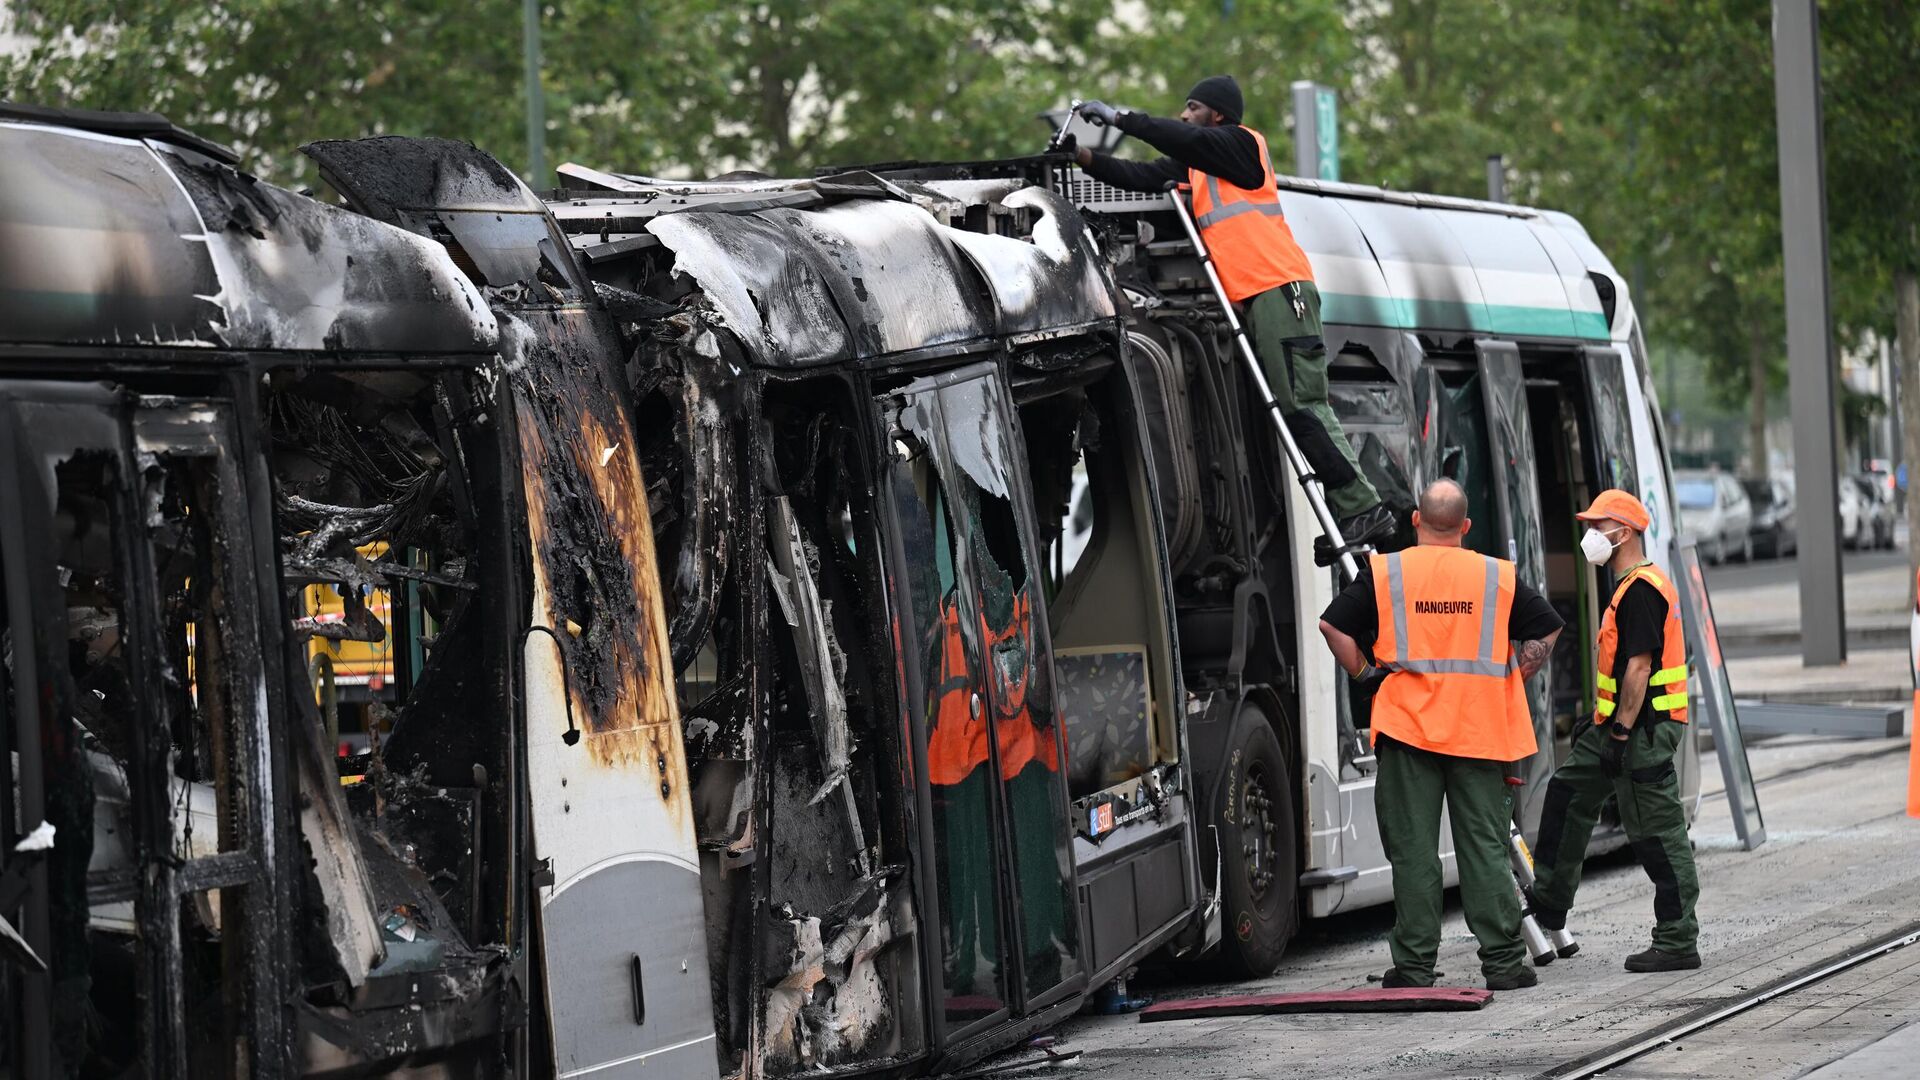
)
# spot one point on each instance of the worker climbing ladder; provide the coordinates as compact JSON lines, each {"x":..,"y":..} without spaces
{"x":1315,"y":490}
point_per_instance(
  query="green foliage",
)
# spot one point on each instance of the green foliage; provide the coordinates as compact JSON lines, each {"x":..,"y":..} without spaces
{"x":1650,"y":120}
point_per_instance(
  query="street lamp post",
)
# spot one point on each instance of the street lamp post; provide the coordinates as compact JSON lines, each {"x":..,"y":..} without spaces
{"x":536,"y":96}
{"x":1810,"y":395}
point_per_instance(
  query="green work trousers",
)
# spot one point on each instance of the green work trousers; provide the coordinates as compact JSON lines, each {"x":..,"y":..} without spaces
{"x":1407,"y":797}
{"x":1287,"y":340}
{"x":1656,"y":824}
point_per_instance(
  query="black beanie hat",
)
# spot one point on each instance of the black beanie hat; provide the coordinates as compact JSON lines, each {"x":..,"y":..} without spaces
{"x":1221,"y":94}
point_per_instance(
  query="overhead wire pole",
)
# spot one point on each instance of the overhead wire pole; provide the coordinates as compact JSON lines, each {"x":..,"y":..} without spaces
{"x":536,"y":97}
{"x":1810,"y":367}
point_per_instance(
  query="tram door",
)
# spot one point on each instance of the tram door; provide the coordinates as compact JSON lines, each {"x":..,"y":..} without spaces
{"x":139,"y":908}
{"x":1517,"y":491}
{"x":974,"y":631}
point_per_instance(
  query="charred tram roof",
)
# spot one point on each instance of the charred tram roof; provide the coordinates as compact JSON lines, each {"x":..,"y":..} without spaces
{"x":120,"y":230}
{"x":850,"y":268}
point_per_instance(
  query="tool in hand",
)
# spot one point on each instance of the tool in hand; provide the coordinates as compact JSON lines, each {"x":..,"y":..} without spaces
{"x":1060,"y":136}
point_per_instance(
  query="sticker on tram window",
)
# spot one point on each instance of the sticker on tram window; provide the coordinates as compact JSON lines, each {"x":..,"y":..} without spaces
{"x":1100,"y":819}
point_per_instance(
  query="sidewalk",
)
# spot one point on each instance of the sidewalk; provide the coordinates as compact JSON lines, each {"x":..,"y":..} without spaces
{"x":1870,"y":676}
{"x":1876,"y":670}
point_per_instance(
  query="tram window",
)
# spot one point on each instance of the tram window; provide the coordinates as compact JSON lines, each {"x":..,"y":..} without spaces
{"x":1088,"y":470}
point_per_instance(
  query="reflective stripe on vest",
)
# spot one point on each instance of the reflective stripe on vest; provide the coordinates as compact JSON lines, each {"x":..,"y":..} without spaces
{"x":1223,"y":210}
{"x":1453,"y":685}
{"x":1672,"y":672}
{"x":1253,"y":248}
{"x":1484,"y":664}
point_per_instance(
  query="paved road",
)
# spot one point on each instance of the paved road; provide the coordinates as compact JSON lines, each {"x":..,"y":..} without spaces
{"x":1736,"y":575}
{"x":1838,"y":870}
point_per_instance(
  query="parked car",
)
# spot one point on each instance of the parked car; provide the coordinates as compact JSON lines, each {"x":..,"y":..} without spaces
{"x":1715,"y":512}
{"x":1856,"y":514}
{"x":1871,"y":523}
{"x":1773,"y":527}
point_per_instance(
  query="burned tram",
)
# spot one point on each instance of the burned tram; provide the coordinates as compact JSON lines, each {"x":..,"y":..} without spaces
{"x":750,"y":628}
{"x":221,"y":399}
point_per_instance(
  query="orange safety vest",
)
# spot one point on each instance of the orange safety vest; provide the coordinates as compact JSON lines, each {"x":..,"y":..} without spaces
{"x":1672,"y":670}
{"x":957,"y":745}
{"x":1453,"y":685}
{"x":1253,"y":249}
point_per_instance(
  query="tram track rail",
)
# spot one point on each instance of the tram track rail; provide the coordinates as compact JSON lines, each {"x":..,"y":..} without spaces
{"x":1707,"y":1016}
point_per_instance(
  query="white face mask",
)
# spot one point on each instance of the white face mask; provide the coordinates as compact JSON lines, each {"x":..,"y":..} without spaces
{"x":1596,"y":547}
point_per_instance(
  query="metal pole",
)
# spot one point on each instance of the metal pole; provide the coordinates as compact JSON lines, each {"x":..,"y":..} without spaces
{"x":1306,"y":131}
{"x":1496,"y":178}
{"x":1810,"y":367}
{"x":536,"y":96}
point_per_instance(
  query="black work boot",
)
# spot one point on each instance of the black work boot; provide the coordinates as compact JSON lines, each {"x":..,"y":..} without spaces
{"x":1393,"y":979}
{"x":1662,"y":960}
{"x":1517,"y":979}
{"x":1368,"y":526}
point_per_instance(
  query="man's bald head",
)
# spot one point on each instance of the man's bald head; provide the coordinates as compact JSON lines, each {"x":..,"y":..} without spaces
{"x":1442,"y":516}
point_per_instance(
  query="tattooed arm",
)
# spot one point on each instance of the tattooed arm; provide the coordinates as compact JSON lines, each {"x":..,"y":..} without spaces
{"x":1533,"y":654}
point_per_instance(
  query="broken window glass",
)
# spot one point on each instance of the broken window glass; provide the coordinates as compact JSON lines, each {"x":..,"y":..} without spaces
{"x":396,"y":592}
{"x":846,"y":982}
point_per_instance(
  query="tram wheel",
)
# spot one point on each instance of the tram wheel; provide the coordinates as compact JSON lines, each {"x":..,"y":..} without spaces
{"x":1260,"y":894}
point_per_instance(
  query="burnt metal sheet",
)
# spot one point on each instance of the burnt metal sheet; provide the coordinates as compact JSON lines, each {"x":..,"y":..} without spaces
{"x":606,"y":767}
{"x":857,"y":280}
{"x":867,"y":278}
{"x":495,"y":229}
{"x":113,"y":241}
{"x":1056,"y":280}
{"x":390,"y":173}
{"x":299,"y":274}
{"x":91,"y":246}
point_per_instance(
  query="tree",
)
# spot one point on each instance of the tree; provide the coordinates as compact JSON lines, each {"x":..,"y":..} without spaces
{"x":1870,"y":76}
{"x":1691,"y":93}
{"x":780,"y":85}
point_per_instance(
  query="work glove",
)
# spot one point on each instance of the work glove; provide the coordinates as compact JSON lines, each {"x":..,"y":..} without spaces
{"x":1613,"y":756}
{"x":1068,"y":144}
{"x":1098,"y":113}
{"x":1368,"y":676}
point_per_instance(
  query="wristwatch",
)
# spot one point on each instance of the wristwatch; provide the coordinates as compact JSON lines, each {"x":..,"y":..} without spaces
{"x":1619,"y":729}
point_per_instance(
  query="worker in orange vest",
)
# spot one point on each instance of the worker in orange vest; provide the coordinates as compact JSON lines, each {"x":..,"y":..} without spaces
{"x":1236,"y":204}
{"x":1639,"y":720}
{"x":1456,"y":635}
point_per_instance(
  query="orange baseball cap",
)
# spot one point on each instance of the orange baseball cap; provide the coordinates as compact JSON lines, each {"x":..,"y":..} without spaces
{"x":1614,"y":504}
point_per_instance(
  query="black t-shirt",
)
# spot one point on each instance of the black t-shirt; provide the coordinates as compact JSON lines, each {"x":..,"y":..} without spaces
{"x":1354,"y":613}
{"x":1640,"y":620}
